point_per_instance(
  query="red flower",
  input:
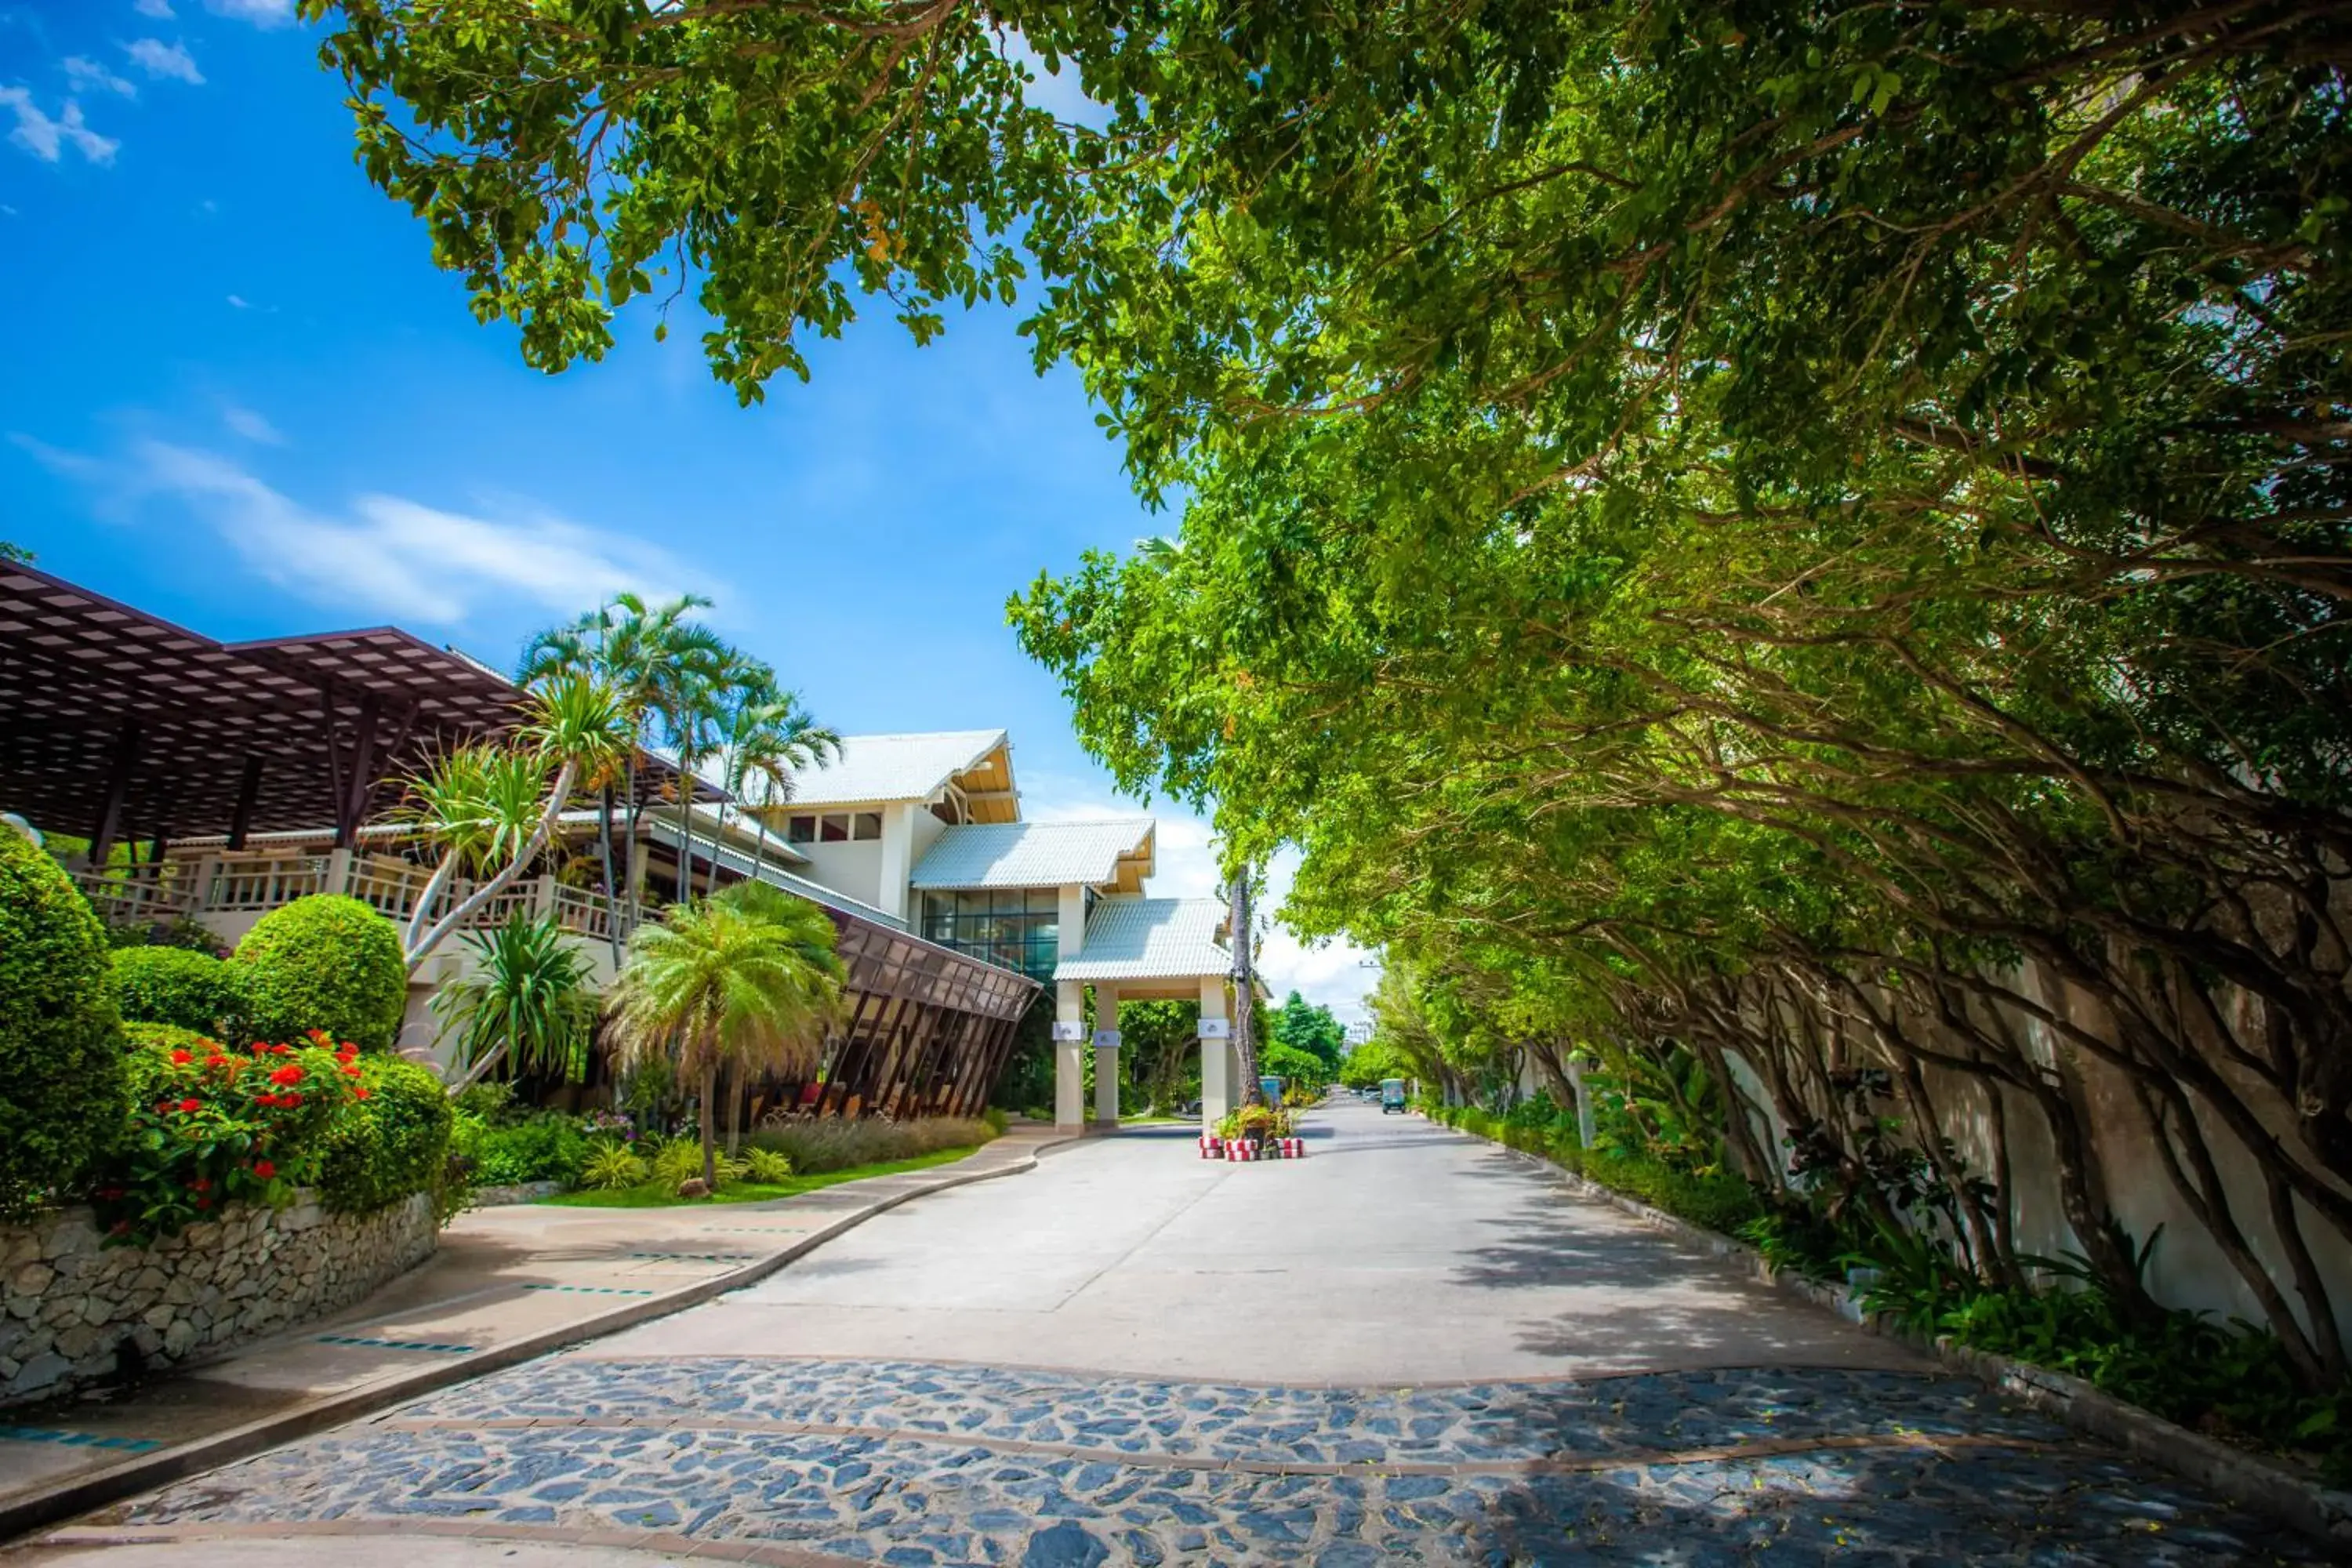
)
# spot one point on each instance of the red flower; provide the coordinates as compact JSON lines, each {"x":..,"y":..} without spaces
{"x":287,"y":1074}
{"x":216,"y":1062}
{"x":191,"y":1105}
{"x":360,"y":1093}
{"x":181,"y":1058}
{"x":163,"y":1108}
{"x":204,"y":1203}
{"x":120,"y":1227}
{"x":201,"y":1184}
{"x":351,"y":1069}
{"x":263,"y":1169}
{"x":289,"y":1099}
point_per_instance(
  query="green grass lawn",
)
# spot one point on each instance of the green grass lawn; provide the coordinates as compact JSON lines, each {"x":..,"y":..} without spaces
{"x":652,"y":1195}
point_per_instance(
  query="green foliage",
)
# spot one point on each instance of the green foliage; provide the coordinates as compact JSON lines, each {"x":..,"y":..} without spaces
{"x":833,"y":1143}
{"x":177,"y":986}
{"x":1310,"y":1029}
{"x":390,"y":1141}
{"x":996,"y":1120}
{"x":612,"y":1166}
{"x":1372,"y":1061}
{"x":63,"y":1089}
{"x":681,"y":1159}
{"x":526,"y":1004}
{"x":328,"y":962}
{"x":546,"y":1147}
{"x":181,"y":932}
{"x":747,"y":981}
{"x":766,"y":1166}
{"x":210,"y":1125}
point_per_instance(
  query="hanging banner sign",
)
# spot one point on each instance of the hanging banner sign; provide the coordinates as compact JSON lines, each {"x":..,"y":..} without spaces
{"x":1069,"y":1031}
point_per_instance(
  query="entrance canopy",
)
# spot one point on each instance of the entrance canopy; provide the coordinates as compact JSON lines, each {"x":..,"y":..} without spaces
{"x":114,"y":723}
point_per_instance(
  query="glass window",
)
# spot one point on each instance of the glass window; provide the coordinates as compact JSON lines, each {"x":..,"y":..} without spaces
{"x":800,"y":830}
{"x":865,"y":824}
{"x":1045,"y":901}
{"x":832,"y":828}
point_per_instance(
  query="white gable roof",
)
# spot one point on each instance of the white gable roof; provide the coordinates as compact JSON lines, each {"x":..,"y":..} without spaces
{"x":893,"y":767}
{"x":1151,"y":938}
{"x":1032,"y":854}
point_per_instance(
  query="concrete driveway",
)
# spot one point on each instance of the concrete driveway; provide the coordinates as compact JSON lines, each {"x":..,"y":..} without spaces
{"x":1415,"y":1254}
{"x":1408,"y":1348}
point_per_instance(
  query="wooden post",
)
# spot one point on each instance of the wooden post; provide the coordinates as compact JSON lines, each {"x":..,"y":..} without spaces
{"x":248,"y":790}
{"x":118,"y":785}
{"x":352,"y":799}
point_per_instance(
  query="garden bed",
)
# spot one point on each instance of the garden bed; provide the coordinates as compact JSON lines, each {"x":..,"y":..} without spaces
{"x":655,"y":1195}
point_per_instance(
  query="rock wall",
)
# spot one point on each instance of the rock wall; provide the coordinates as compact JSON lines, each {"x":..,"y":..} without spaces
{"x":74,"y":1312}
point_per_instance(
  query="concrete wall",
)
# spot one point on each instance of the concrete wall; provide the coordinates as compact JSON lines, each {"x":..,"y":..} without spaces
{"x":851,"y":868}
{"x":2188,"y":1268}
{"x":74,"y":1312}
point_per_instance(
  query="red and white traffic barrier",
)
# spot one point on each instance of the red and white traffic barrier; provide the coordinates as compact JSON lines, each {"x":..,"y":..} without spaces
{"x":1294,"y":1148}
{"x":1211,"y":1147}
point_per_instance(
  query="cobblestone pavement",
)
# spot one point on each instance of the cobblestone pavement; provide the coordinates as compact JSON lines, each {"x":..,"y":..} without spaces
{"x":911,"y":1463}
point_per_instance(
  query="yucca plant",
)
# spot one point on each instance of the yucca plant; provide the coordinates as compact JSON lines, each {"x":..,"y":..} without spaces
{"x":526,"y":1003}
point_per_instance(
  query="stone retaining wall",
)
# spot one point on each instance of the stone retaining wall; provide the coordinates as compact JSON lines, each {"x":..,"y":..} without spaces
{"x":74,"y":1312}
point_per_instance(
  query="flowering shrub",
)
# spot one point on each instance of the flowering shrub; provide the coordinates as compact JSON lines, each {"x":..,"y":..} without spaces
{"x":213,"y":1124}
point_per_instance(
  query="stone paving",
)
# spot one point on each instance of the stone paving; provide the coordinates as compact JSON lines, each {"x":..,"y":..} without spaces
{"x":909,"y":1463}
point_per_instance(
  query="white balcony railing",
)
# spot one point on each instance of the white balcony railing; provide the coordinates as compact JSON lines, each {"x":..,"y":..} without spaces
{"x":254,"y":884}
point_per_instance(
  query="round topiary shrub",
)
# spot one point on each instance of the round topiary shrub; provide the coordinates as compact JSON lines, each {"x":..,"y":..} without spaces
{"x":327,"y":963}
{"x":63,"y":1099}
{"x":391,"y":1140}
{"x":176,"y":985}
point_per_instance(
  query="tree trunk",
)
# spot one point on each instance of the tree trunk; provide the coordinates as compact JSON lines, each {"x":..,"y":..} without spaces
{"x":734,"y":1110}
{"x":706,"y":1118}
{"x":1244,"y":990}
{"x":604,"y":845}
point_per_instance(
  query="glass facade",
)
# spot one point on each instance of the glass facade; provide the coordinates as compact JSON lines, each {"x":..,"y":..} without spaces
{"x":1017,"y":927}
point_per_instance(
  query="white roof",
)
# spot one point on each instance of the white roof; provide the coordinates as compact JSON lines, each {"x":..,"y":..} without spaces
{"x":893,"y":767}
{"x":1032,"y":854}
{"x":1151,"y":938}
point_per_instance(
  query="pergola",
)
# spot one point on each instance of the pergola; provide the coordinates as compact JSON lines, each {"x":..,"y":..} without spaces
{"x":115,"y":724}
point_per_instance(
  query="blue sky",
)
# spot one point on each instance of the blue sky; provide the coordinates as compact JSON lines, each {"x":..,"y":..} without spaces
{"x":240,"y":396}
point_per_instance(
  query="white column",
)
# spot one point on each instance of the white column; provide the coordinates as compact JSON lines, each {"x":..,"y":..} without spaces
{"x":898,"y":852}
{"x":1070,"y":1067}
{"x":1216,"y":1082}
{"x":1106,"y":1054}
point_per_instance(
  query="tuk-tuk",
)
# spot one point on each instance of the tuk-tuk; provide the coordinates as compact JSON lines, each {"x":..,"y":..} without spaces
{"x":1392,"y":1095}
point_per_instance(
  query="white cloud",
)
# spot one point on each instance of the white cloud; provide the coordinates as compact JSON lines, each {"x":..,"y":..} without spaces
{"x":86,"y":74}
{"x":47,"y":139}
{"x":159,"y":9}
{"x":159,"y":59}
{"x":1185,"y":867}
{"x":238,"y":303}
{"x":385,"y":555}
{"x":250,"y":424}
{"x":260,"y":12}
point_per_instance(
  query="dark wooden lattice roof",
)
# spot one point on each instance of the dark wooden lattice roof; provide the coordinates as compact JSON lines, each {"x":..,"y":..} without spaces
{"x":317,"y":728}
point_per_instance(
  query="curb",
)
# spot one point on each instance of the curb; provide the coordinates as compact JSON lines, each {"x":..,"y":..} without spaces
{"x":2234,"y":1475}
{"x":146,"y":1471}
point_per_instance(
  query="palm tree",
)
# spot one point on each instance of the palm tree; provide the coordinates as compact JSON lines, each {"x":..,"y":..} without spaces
{"x":482,"y":805}
{"x":528,"y":1002}
{"x":647,"y":654}
{"x":747,"y":981}
{"x":769,"y":737}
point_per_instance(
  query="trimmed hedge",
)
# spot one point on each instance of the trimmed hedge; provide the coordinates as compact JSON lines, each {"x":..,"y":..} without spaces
{"x":63,"y":1094}
{"x":176,"y":985}
{"x":394,"y":1143}
{"x":326,"y":962}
